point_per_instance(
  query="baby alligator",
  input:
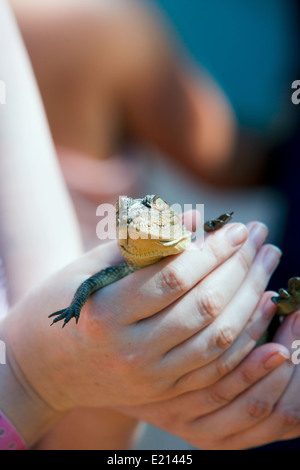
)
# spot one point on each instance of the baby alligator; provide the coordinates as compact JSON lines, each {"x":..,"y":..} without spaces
{"x":148,"y":230}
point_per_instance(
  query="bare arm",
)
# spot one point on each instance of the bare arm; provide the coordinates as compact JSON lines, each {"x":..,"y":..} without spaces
{"x":38,"y":231}
{"x":130,"y":77}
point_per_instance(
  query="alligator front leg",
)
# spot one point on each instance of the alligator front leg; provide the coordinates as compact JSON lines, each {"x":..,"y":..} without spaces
{"x":288,"y":301}
{"x":92,"y":284}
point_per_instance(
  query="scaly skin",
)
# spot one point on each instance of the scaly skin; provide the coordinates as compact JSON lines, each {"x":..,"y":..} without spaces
{"x":148,"y":230}
{"x":92,"y":284}
{"x":288,"y":301}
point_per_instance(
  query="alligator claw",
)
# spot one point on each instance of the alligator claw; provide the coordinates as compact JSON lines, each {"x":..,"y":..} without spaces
{"x":288,"y":300}
{"x":65,"y":314}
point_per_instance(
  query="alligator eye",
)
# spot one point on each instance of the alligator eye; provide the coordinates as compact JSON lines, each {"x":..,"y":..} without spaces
{"x":146,"y":202}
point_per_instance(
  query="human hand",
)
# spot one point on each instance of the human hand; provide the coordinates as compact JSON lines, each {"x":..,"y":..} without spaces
{"x":255,"y":405}
{"x":132,"y":349}
{"x":205,"y":418}
{"x":270,"y":412}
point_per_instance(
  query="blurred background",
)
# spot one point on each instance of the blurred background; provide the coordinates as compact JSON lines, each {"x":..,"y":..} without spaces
{"x":187,"y":99}
{"x":251,"y":49}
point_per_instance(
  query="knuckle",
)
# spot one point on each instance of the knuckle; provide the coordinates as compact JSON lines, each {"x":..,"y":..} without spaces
{"x":257,"y":408}
{"x":225,"y":336}
{"x":289,"y":416}
{"x":171,"y":279}
{"x":218,"y":398}
{"x":223,"y":367}
{"x":209,"y":304}
{"x":217,"y":250}
{"x":249,"y":376}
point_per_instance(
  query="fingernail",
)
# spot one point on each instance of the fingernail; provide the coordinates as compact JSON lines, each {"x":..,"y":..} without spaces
{"x":258,"y":234}
{"x":271,"y":258}
{"x":276,"y":359}
{"x":237,"y":234}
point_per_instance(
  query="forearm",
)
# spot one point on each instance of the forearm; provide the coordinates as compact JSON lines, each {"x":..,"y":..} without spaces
{"x":27,"y":412}
{"x":102,"y":429}
{"x":38,"y":231}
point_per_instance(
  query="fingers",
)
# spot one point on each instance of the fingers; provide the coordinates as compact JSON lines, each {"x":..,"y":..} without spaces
{"x":177,"y":413}
{"x":284,"y":421}
{"x":205,"y":346}
{"x":259,"y":363}
{"x":249,"y":409}
{"x":153,"y":288}
{"x":264,"y":421}
{"x":227,"y":362}
{"x":203,"y":304}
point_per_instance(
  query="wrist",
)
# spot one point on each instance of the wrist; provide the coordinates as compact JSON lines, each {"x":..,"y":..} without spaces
{"x":29,"y":414}
{"x":41,"y":358}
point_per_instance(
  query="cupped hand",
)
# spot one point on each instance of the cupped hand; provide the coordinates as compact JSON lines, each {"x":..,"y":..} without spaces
{"x":271,"y":412}
{"x":255,"y":404}
{"x":147,"y":337}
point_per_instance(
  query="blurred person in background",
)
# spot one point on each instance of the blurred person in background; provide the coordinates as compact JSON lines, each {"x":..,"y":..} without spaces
{"x":112,"y":76}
